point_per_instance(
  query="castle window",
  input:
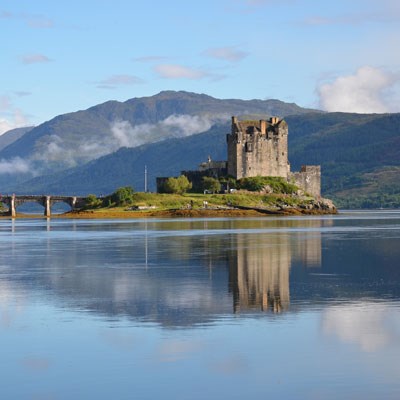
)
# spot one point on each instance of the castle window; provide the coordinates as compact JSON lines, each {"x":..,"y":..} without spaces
{"x":249,"y":147}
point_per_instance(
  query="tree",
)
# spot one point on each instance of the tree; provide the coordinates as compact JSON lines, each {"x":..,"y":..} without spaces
{"x":211,"y":184}
{"x":177,"y":185}
{"x":123,"y":196}
{"x":92,"y":201}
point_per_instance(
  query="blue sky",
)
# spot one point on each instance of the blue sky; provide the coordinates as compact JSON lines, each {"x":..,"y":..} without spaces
{"x":62,"y":56}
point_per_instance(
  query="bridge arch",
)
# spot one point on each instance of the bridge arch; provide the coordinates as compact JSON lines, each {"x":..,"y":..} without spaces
{"x":46,"y":201}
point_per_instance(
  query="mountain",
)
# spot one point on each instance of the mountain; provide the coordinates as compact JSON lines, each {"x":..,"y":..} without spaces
{"x":109,"y":145}
{"x":359,"y":155}
{"x":75,"y":138}
{"x":12,"y":135}
{"x":126,"y":166}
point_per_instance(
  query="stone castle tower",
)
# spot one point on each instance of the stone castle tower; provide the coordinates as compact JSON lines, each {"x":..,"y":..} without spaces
{"x":260,"y":148}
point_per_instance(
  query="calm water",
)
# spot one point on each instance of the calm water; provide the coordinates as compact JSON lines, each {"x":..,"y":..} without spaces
{"x":294,"y":308}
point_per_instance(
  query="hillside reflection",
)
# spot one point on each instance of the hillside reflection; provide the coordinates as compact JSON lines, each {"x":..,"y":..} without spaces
{"x":186,"y":272}
{"x":176,"y":273}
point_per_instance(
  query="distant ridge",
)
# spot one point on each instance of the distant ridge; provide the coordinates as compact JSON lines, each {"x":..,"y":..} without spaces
{"x":12,"y":135}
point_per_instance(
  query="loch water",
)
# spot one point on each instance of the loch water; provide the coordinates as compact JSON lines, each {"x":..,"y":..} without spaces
{"x":227,"y":308}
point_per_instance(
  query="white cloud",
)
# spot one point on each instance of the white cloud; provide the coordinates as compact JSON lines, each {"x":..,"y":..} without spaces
{"x":369,"y":90}
{"x":54,"y":151}
{"x":34,"y":58}
{"x":32,"y":20}
{"x":10,"y":116}
{"x":175,"y":71}
{"x":186,"y":125}
{"x":118,"y":80}
{"x":14,"y":166}
{"x":22,"y":93}
{"x":150,"y":59}
{"x":226,"y":53}
{"x":126,"y":135}
{"x":38,"y":21}
{"x":384,"y":11}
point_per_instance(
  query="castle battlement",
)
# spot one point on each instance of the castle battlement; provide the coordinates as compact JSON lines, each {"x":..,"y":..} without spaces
{"x":258,"y":148}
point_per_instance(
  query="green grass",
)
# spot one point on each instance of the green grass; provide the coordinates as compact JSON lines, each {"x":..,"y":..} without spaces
{"x":163,"y":201}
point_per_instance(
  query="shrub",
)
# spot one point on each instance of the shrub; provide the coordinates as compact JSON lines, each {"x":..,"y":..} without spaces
{"x":276,"y":183}
{"x":211,"y":184}
{"x":178,"y":185}
{"x":123,"y":196}
{"x":92,"y":201}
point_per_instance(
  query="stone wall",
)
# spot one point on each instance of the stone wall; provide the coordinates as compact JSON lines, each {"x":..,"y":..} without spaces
{"x":258,"y":148}
{"x":309,"y":179}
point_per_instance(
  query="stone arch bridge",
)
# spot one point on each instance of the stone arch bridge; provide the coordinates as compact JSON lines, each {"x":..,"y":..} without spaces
{"x":14,"y":201}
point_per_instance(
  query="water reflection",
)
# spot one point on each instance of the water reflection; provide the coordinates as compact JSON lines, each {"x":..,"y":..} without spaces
{"x":259,"y":273}
{"x":371,"y":326}
{"x":185,"y":272}
{"x":99,"y":304}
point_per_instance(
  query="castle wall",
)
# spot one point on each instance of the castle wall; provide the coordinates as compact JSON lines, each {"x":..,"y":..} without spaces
{"x":309,"y":179}
{"x":258,"y":148}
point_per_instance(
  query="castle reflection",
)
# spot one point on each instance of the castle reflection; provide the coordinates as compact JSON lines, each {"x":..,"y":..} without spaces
{"x":176,"y":273}
{"x":259,"y":268}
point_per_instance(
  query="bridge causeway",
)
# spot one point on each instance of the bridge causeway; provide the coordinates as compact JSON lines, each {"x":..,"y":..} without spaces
{"x":13,"y":201}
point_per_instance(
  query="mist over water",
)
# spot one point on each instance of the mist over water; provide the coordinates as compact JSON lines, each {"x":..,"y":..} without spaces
{"x":296,"y":307}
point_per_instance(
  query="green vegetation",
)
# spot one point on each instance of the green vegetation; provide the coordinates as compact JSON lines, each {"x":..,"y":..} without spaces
{"x":121,"y":197}
{"x":258,"y":183}
{"x":211,"y":184}
{"x":178,"y":185}
{"x":166,"y":201}
{"x":93,"y":202}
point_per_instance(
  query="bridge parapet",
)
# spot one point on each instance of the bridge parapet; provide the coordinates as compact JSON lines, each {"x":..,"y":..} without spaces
{"x":12,"y":201}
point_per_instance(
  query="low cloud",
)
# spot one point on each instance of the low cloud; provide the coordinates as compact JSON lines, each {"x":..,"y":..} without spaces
{"x":52,"y":151}
{"x":226,"y":53}
{"x":127,"y":135}
{"x":34,"y":59}
{"x":118,"y":80}
{"x":14,"y":166}
{"x":176,"y":71}
{"x":369,"y":90}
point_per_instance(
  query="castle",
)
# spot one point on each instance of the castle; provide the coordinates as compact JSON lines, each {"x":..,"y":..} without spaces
{"x":261,"y":148}
{"x":258,"y":148}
